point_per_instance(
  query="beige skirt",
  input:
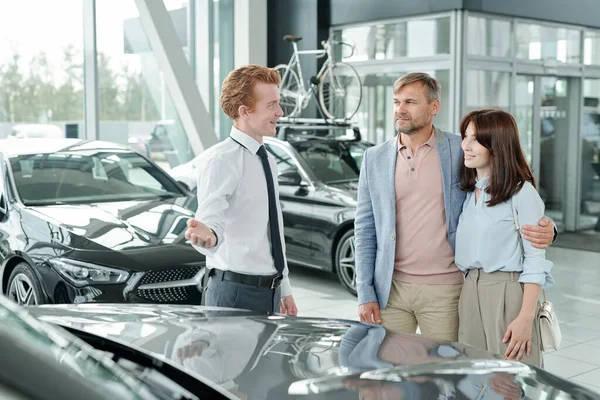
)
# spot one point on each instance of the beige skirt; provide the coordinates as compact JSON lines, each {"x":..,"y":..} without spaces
{"x":488,"y":304}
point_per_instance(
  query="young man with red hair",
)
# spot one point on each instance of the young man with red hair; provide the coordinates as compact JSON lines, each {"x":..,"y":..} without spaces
{"x":239,"y":225}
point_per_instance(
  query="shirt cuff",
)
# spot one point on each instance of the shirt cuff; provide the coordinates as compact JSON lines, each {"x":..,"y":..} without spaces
{"x":286,"y":286}
{"x":555,"y":228}
{"x":216,"y":237}
{"x":207,"y":252}
{"x":542,"y":279}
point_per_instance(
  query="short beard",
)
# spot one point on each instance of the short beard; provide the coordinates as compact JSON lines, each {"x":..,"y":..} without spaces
{"x":410,"y":130}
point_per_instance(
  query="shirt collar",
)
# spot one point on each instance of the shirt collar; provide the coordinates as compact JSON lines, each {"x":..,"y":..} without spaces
{"x":431,"y":142}
{"x":482,"y":183}
{"x":245,"y":140}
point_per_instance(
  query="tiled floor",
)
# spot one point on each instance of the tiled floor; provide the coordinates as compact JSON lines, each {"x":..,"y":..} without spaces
{"x":576,"y":296}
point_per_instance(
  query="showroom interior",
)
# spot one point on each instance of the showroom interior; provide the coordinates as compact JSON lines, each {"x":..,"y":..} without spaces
{"x":147,"y":74}
{"x":545,"y":71}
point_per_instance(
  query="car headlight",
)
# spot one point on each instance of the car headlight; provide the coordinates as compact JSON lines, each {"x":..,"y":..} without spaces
{"x":82,"y":273}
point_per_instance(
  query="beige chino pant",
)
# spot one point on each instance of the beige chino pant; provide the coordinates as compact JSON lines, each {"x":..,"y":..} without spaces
{"x":488,"y":304}
{"x":434,"y":308}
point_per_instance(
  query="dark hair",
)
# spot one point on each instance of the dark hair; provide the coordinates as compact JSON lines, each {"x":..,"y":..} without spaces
{"x":497,"y":131}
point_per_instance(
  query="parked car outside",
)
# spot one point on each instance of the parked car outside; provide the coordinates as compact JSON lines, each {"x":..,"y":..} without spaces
{"x":36,"y":131}
{"x":168,"y":142}
{"x":249,"y":355}
{"x":85,"y":221}
{"x":318,"y":183}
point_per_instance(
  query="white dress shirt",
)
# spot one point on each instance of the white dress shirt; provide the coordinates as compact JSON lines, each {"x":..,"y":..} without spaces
{"x":233,"y":201}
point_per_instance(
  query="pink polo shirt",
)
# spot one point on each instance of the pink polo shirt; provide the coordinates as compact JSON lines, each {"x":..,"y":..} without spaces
{"x":423,"y":253}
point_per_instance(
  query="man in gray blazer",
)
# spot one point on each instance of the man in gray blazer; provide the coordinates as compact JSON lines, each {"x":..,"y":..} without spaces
{"x":409,"y":202}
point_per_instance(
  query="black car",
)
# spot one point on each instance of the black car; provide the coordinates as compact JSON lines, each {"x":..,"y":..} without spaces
{"x":44,"y":362}
{"x":318,"y":182}
{"x":250,"y":355}
{"x":85,"y":221}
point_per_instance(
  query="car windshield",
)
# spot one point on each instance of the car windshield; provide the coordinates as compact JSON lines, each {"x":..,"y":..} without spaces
{"x":333,"y":161}
{"x":90,"y":176}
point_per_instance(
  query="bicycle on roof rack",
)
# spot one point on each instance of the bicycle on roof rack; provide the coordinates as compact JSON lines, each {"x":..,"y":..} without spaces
{"x":338,"y":84}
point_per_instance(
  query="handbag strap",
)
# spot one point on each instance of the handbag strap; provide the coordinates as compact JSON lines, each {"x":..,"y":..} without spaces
{"x":517,"y":226}
{"x":518,"y":229}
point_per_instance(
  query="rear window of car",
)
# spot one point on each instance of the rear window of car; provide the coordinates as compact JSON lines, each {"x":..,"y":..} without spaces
{"x":332,"y":161}
{"x":88,"y":177}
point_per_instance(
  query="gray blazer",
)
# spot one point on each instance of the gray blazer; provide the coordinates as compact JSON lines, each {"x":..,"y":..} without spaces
{"x":375,"y":224}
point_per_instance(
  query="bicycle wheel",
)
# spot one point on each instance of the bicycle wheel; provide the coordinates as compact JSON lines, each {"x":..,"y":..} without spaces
{"x":289,"y":90}
{"x":340,"y":91}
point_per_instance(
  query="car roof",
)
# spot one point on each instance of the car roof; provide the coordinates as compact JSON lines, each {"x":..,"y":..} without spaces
{"x":19,"y":147}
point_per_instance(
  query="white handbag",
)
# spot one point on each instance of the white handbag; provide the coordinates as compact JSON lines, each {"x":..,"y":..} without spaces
{"x":547,"y":319}
{"x":549,"y":328}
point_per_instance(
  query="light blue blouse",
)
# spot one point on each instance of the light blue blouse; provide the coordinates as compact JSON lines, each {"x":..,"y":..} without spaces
{"x":486,"y":236}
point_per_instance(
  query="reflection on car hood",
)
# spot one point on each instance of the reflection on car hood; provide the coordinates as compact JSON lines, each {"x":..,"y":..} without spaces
{"x":142,"y":232}
{"x":272,"y":356}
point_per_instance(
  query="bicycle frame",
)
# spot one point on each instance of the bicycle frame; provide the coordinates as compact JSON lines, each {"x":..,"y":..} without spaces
{"x":295,"y":62}
{"x":298,"y":95}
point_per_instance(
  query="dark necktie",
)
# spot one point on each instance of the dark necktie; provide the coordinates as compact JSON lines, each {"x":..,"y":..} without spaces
{"x":276,"y":247}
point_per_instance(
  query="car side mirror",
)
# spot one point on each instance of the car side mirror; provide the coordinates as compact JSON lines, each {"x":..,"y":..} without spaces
{"x":289,"y":178}
{"x":185,"y":185}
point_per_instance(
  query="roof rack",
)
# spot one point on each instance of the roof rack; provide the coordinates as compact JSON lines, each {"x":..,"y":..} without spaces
{"x":288,"y":125}
{"x":315,"y":121}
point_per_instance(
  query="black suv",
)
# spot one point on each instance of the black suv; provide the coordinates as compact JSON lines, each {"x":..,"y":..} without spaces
{"x":318,"y":182}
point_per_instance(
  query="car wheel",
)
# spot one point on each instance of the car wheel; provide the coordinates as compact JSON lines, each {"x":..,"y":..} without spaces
{"x":24,"y":287}
{"x":344,"y":261}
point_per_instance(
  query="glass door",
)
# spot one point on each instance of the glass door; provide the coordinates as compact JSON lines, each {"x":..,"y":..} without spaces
{"x":554,"y":127}
{"x":589,"y":195}
{"x":544,"y":111}
{"x":524,"y":113}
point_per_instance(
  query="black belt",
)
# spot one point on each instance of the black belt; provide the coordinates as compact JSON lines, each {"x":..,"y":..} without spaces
{"x":272,"y":281}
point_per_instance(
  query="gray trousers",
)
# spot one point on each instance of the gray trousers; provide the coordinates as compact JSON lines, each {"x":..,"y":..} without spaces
{"x":223,"y":293}
{"x":488,"y":304}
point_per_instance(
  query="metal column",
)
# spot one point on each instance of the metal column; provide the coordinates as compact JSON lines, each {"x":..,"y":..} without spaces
{"x":179,"y":78}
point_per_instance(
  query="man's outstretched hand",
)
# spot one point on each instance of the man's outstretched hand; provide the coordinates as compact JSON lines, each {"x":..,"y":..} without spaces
{"x":199,"y":234}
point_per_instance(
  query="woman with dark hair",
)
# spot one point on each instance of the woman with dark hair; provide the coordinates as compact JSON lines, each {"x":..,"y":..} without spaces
{"x":498,"y":304}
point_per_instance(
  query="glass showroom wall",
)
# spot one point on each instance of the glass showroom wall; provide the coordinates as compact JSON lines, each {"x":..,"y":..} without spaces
{"x":42,"y":86}
{"x":384,"y":52}
{"x":41,"y":73}
{"x":546,"y":75}
{"x":223,"y":59}
{"x":134,"y":103}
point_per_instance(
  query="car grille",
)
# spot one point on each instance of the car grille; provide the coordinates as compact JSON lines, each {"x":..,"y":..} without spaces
{"x":164,"y":287}
{"x":181,"y":294}
{"x":169,"y":275}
